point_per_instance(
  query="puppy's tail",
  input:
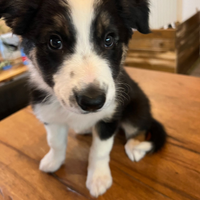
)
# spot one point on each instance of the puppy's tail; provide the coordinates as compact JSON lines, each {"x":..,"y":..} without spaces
{"x":157,"y":135}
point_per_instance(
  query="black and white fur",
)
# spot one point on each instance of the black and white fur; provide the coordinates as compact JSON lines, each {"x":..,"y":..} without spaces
{"x":84,"y":66}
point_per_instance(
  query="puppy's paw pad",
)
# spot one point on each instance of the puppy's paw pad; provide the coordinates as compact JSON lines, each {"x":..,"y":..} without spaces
{"x":136,"y":150}
{"x":98,"y":185}
{"x":51,"y":163}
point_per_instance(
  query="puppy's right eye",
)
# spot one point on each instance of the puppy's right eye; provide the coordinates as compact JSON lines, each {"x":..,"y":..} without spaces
{"x":55,"y":42}
{"x":109,"y":41}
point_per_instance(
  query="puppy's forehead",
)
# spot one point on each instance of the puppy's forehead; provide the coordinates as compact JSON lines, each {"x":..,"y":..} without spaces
{"x":82,"y":14}
{"x":82,"y":10}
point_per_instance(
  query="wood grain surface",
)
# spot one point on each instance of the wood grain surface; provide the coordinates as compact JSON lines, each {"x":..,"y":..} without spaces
{"x":13,"y":72}
{"x":155,"y":51}
{"x":160,"y":61}
{"x":157,"y":40}
{"x":173,"y":173}
{"x":188,"y":43}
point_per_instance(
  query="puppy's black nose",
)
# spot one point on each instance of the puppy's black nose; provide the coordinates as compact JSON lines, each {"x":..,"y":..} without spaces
{"x":91,"y":99}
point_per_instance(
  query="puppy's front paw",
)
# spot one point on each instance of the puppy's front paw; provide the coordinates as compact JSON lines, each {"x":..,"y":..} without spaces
{"x":51,"y":162}
{"x":98,"y":181}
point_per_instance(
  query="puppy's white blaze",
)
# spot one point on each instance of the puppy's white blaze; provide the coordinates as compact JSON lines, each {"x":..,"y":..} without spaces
{"x":82,"y":13}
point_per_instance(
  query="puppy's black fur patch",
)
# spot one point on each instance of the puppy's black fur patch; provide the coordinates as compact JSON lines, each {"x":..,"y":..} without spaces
{"x":38,"y":96}
{"x":106,"y":129}
{"x":135,"y":14}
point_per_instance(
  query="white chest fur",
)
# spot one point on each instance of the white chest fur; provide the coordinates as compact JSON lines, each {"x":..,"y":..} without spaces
{"x":53,"y":113}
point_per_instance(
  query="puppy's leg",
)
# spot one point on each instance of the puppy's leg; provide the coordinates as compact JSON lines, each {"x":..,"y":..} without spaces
{"x":57,"y":140}
{"x":145,"y":140}
{"x":99,"y":177}
{"x":136,"y":146}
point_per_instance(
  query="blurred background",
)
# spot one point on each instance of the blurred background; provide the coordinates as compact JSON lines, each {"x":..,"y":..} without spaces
{"x":172,"y":47}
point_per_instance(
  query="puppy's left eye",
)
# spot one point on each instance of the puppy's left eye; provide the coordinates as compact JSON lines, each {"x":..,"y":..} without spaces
{"x":55,"y":42}
{"x":109,"y":41}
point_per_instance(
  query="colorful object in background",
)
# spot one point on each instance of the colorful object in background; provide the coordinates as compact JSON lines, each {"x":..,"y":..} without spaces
{"x":5,"y":65}
{"x":24,"y":57}
{"x":11,"y":51}
{"x":9,"y":46}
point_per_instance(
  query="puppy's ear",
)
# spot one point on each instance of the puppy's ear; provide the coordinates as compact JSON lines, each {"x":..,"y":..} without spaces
{"x":135,"y":14}
{"x":18,"y":14}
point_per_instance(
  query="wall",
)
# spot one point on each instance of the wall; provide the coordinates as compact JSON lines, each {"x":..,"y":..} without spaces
{"x":189,"y":8}
{"x":164,"y":12}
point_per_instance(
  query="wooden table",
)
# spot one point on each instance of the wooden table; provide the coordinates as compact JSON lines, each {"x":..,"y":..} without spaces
{"x":173,"y":173}
{"x":13,"y":72}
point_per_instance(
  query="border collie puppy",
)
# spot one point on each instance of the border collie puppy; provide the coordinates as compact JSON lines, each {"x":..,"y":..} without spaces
{"x":76,"y":50}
